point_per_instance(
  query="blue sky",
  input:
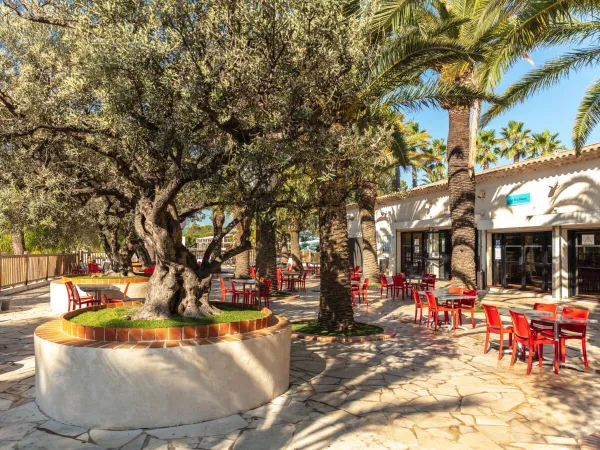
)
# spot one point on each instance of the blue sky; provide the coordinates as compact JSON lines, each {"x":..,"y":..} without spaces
{"x":554,"y":108}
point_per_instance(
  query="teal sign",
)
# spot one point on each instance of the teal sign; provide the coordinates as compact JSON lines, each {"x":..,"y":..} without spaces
{"x":518,"y":199}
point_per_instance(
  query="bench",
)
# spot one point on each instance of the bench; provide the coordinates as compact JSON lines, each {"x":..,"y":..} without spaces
{"x":5,"y":303}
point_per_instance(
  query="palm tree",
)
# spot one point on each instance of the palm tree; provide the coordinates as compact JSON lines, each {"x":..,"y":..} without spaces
{"x":545,"y":143}
{"x":435,"y":155}
{"x":516,"y":140}
{"x":476,"y":26}
{"x":417,"y":142}
{"x":487,"y":148}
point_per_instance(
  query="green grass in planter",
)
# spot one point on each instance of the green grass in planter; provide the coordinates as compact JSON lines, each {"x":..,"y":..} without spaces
{"x":97,"y":277}
{"x":113,"y":318}
{"x":311,"y":327}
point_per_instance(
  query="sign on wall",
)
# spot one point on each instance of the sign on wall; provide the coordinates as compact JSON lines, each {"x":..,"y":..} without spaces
{"x":518,"y":199}
{"x":497,"y":253}
{"x":587,"y":239}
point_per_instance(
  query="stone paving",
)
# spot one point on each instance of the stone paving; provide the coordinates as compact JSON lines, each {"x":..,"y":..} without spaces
{"x":421,"y":389}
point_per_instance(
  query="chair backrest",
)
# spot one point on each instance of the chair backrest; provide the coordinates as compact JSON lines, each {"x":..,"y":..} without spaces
{"x":398,"y":281}
{"x":253,"y":272}
{"x":356,"y":270}
{"x":520,"y":324}
{"x":575,"y":313}
{"x":470,"y":292}
{"x":304,"y":275}
{"x":492,"y":316}
{"x":223,"y":288}
{"x":268,"y":286}
{"x":433,"y":306}
{"x":232,"y":286}
{"x":455,"y":290}
{"x":547,"y":307}
{"x":69,"y":287}
{"x":365,"y":285}
{"x":383,"y":280}
{"x":417,"y":298}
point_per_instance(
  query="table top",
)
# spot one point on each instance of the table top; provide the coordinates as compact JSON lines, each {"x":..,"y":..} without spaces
{"x":456,"y":297}
{"x":244,"y":280}
{"x":544,"y":316}
{"x":96,"y":287}
{"x":291,"y":273}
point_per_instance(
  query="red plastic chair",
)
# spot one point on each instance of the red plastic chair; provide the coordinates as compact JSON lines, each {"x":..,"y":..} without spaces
{"x":455,"y":290}
{"x":550,"y":309}
{"x":301,"y":282}
{"x":529,"y":339}
{"x":364,"y":292}
{"x":494,"y":325}
{"x":263,"y":292}
{"x":355,"y":275}
{"x":468,"y":305}
{"x":572,"y":331}
{"x":93,"y":268}
{"x":435,"y":310}
{"x":224,"y":290}
{"x":419,"y":306}
{"x":149,"y":270}
{"x":281,"y":280}
{"x":428,"y":282}
{"x":384,"y":284}
{"x":400,"y":285}
{"x":252,"y":272}
{"x":75,"y":300}
{"x":107,"y":300}
{"x":235,"y":294}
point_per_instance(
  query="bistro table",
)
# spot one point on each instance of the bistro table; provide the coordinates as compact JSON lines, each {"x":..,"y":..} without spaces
{"x":415,"y":281}
{"x":555,"y":320}
{"x":245,"y":281}
{"x":291,"y":278}
{"x":97,"y":289}
{"x":443,"y":297}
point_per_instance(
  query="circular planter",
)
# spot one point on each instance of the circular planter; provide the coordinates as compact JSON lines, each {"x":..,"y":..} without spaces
{"x":59,"y":301}
{"x":185,"y":376}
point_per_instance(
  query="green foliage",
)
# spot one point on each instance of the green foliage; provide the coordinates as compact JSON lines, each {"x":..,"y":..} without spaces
{"x":114,"y":318}
{"x":194,"y":231}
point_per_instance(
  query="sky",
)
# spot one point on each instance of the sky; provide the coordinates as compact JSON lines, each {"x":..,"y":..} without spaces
{"x":554,"y":109}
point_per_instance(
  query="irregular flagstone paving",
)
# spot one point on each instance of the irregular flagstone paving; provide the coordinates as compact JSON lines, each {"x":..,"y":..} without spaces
{"x":421,"y":389}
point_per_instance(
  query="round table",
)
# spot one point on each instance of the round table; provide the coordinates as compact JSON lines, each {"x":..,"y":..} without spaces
{"x":291,"y":277}
{"x":245,"y":281}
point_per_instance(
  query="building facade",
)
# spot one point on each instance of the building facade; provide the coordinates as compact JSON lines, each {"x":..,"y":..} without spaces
{"x":538,"y":226}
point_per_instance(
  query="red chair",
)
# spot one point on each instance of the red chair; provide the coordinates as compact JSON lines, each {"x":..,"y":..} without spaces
{"x":455,"y":290}
{"x":149,"y":270}
{"x":107,"y":300}
{"x":435,"y":310}
{"x":224,"y":291}
{"x":400,"y":285}
{"x":301,"y":282}
{"x":529,"y":339}
{"x":385,"y":285}
{"x":281,"y":281}
{"x":252,"y":272}
{"x":419,"y":306}
{"x":75,"y":300}
{"x":358,"y":292}
{"x":263,"y":292}
{"x":468,"y":305}
{"x":235,"y":294}
{"x":93,"y":268}
{"x":428,"y":282}
{"x":572,"y":331}
{"x":493,"y":324}
{"x":546,"y":307}
{"x":355,"y":275}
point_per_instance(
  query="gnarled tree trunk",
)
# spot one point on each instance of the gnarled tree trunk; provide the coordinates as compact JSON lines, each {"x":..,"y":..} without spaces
{"x":335,"y":303}
{"x":179,"y":285}
{"x":242,"y":260}
{"x":266,"y":251}
{"x":296,"y":253}
{"x":461,"y":184}
{"x":18,"y":240}
{"x":367,"y":196}
{"x":119,"y":257}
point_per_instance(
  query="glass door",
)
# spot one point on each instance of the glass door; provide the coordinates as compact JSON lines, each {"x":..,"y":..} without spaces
{"x":587,"y":263}
{"x":534,"y":261}
{"x":513,"y":250}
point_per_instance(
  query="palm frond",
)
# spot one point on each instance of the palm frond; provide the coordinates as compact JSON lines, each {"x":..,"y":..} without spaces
{"x":543,"y":78}
{"x":588,"y":115}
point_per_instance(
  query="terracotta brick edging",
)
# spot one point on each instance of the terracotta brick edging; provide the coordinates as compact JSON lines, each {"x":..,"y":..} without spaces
{"x":65,"y":332}
{"x":348,"y":339}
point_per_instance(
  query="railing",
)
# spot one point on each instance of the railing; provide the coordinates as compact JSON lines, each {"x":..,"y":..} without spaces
{"x":21,"y":270}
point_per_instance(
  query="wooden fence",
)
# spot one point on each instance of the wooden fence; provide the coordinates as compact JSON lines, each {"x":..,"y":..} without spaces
{"x":21,"y":270}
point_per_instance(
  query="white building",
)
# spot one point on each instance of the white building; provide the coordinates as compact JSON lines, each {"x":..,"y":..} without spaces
{"x":538,"y":226}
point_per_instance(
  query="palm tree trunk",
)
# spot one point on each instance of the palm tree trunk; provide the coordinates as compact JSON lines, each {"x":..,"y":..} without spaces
{"x":367,"y":196}
{"x":486,"y":165}
{"x":18,"y":240}
{"x":516,"y":158}
{"x":218,"y":219}
{"x":242,"y":260}
{"x":461,"y":183}
{"x":296,"y":254}
{"x":284,"y":249}
{"x":266,"y":251}
{"x":414,"y":177}
{"x":335,"y":303}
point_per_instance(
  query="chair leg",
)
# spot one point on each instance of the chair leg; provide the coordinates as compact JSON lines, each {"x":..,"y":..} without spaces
{"x":501,"y":345}
{"x":563,"y":350}
{"x":584,"y":352}
{"x":514,"y":353}
{"x":540,"y":354}
{"x":421,"y":316}
{"x":529,"y":360}
{"x":556,"y":356}
{"x":416,"y":311}
{"x":473,"y":318}
{"x":487,"y":342}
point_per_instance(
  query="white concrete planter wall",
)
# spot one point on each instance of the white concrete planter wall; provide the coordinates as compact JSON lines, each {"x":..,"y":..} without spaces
{"x":124,"y":386}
